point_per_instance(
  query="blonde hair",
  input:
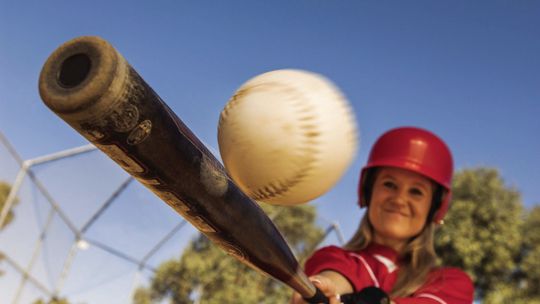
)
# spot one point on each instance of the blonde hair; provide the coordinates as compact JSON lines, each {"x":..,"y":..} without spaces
{"x":416,"y":261}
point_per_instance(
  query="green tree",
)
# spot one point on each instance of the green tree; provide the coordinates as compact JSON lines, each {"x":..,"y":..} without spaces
{"x":142,"y":296}
{"x":482,"y":232}
{"x":205,"y":273}
{"x":5,"y":188}
{"x":528,"y":277}
{"x":54,"y":300}
{"x":524,"y":286}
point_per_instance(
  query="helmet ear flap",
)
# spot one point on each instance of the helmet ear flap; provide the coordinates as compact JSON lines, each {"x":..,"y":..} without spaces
{"x":439,"y":214}
{"x":436,"y":203}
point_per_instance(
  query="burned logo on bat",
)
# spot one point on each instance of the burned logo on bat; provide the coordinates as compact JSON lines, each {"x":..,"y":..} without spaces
{"x":140,"y":133}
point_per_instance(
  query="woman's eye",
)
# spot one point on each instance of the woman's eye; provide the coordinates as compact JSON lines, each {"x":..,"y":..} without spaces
{"x":416,"y":191}
{"x":389,"y":185}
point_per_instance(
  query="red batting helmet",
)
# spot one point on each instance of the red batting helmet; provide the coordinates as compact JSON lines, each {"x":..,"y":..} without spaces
{"x":416,"y":150}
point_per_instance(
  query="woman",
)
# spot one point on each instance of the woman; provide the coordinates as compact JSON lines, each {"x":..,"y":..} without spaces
{"x":406,"y":189}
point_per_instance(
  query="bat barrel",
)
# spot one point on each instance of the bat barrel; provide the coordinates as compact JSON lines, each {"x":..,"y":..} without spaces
{"x":92,"y":87}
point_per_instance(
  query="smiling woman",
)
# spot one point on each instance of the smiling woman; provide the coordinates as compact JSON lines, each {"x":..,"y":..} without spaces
{"x":406,"y":188}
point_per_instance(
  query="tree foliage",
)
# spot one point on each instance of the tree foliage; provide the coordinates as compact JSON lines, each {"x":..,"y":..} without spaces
{"x":5,"y":188}
{"x":142,"y":296}
{"x":483,"y":235}
{"x":205,"y":274}
{"x":53,"y":300}
{"x":529,"y":259}
{"x":524,"y":285}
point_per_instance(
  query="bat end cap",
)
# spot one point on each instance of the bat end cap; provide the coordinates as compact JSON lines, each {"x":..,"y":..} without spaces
{"x":83,"y":73}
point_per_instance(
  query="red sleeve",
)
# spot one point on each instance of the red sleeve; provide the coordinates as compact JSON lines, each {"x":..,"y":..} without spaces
{"x":444,"y":286}
{"x":341,"y":261}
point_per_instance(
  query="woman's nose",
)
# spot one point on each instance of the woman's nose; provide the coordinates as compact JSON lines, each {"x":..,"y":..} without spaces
{"x":400,"y":196}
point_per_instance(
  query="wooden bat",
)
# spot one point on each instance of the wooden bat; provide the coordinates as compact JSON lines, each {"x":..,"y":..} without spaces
{"x":92,"y":87}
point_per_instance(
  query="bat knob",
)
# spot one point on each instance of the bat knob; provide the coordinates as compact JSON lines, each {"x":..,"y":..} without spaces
{"x":83,"y":78}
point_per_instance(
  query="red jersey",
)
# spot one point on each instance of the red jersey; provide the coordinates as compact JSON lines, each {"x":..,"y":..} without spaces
{"x":377,"y":266}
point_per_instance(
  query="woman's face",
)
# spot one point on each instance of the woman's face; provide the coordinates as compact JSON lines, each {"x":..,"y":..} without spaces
{"x":399,"y":206}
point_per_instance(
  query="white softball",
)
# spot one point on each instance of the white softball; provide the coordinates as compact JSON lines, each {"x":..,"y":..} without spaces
{"x":287,"y":136}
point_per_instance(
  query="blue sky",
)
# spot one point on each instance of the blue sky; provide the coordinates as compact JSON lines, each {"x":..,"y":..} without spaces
{"x":467,"y":70}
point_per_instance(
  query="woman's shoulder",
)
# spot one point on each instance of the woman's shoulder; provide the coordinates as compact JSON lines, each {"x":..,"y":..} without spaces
{"x":450,"y":273}
{"x":447,"y":285}
{"x":451,"y":277}
{"x":329,"y":257}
